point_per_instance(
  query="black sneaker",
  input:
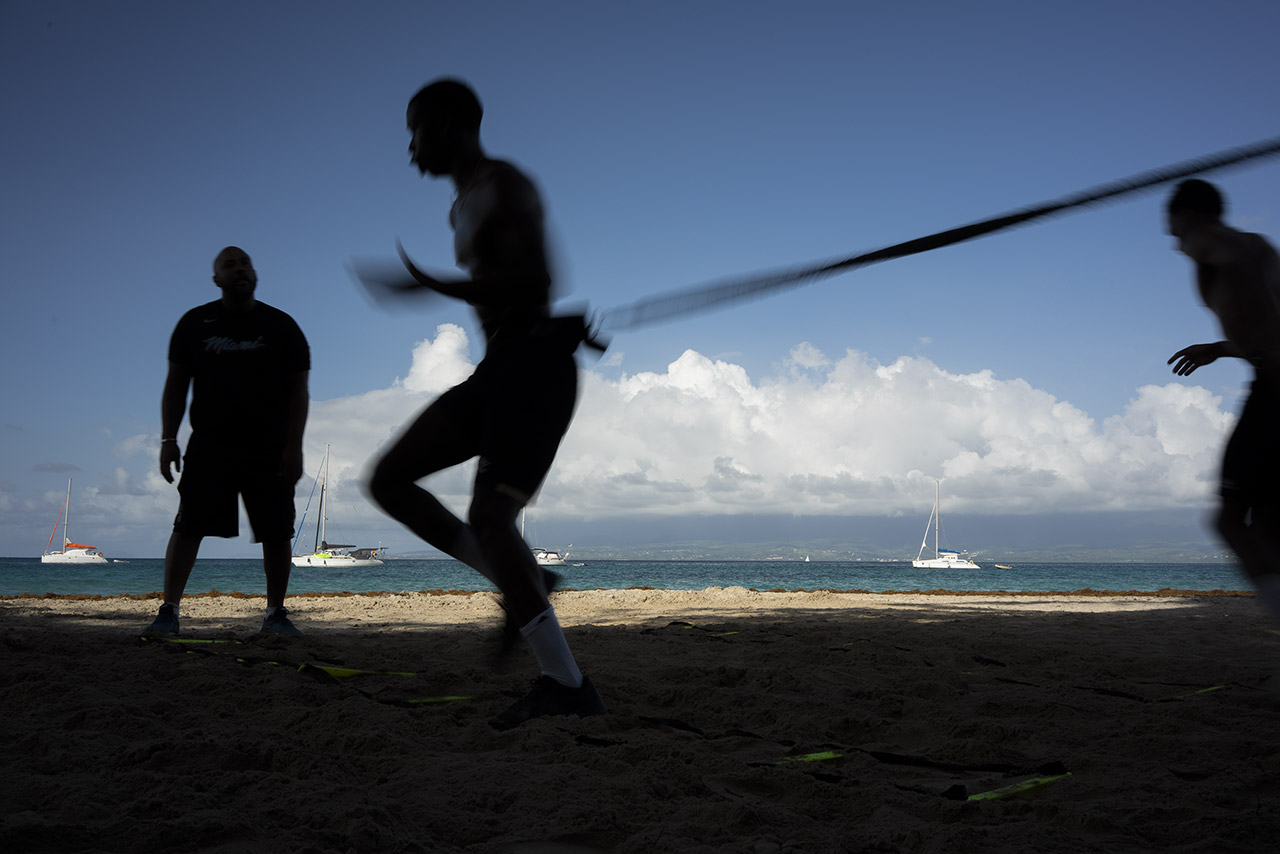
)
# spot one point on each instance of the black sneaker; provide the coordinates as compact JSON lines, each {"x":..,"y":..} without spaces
{"x":166,"y":622}
{"x":510,"y":628}
{"x":549,"y":697}
{"x":278,"y":624}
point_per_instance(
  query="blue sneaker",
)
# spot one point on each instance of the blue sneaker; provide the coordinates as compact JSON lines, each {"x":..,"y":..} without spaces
{"x":278,"y":624}
{"x":166,"y":622}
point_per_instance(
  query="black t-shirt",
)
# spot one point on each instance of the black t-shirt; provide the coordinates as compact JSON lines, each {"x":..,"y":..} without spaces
{"x":238,"y":364}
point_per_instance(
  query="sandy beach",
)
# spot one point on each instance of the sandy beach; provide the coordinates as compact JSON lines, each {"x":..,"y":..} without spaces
{"x":740,"y":721}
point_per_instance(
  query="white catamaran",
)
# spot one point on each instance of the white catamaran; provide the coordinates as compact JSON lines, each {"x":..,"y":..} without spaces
{"x":942,"y":558}
{"x":70,"y":552}
{"x":328,"y":554}
{"x":546,"y":557}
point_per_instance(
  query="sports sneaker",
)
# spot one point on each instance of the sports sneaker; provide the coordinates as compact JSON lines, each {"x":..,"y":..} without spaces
{"x":549,"y":697}
{"x":278,"y":624}
{"x":510,"y":636}
{"x":166,"y":622}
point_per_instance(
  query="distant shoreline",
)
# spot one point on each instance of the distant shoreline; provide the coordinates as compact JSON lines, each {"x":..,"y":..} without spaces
{"x":1164,"y":593}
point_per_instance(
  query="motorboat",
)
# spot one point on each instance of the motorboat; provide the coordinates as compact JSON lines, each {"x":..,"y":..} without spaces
{"x":547,"y":557}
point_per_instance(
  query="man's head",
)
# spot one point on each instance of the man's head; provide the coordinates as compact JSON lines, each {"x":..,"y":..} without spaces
{"x":444,"y":119}
{"x":233,"y":272}
{"x":1194,"y":203}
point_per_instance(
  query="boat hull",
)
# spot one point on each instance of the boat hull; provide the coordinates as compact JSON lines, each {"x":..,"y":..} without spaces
{"x":345,"y":561}
{"x":546,"y":557}
{"x":945,"y":563}
{"x":81,"y":556}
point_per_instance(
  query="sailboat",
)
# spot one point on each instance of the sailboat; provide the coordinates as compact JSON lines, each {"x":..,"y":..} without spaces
{"x":942,"y":558}
{"x":324,"y":553}
{"x":70,"y":552}
{"x":545,"y":557}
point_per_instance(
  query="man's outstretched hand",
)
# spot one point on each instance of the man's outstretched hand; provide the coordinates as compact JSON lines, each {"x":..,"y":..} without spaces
{"x":1195,"y":356}
{"x":386,"y":281}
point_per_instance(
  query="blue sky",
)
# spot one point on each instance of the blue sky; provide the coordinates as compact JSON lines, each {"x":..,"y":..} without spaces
{"x":675,"y":143}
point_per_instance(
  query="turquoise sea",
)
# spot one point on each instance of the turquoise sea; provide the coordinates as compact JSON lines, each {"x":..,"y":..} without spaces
{"x":28,"y":576}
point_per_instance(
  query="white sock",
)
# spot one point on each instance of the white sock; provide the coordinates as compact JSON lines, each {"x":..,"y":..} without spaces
{"x":1269,"y":594}
{"x":271,"y":609}
{"x":551,"y":649}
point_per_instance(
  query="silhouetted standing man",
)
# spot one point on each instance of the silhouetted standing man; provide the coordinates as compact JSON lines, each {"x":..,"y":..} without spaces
{"x":246,"y":365}
{"x":1238,"y":276}
{"x":513,"y":411}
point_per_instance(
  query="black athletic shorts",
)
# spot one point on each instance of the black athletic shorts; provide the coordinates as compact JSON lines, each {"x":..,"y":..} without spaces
{"x":210,"y":482}
{"x":1251,"y":462}
{"x":517,"y":408}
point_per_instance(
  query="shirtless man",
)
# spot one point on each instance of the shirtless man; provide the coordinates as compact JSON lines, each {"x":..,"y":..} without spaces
{"x":1238,"y":275}
{"x":528,"y":368}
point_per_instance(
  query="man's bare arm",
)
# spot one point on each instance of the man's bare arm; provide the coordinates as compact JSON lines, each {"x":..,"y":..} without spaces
{"x":1199,"y":355}
{"x":506,"y":251}
{"x":173,"y":406}
{"x":505,"y":288}
{"x":493,"y":289}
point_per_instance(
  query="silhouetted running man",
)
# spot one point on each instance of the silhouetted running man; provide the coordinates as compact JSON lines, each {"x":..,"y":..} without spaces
{"x":513,"y":411}
{"x":1238,"y":275}
{"x":246,"y":365}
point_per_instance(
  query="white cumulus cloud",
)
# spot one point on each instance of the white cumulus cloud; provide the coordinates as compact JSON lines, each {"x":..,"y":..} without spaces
{"x":821,"y":435}
{"x":852,"y":436}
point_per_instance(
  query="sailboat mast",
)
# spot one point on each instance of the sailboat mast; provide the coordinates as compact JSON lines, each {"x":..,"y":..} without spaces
{"x":924,"y":540}
{"x":937,"y":511}
{"x":324,"y":484}
{"x":49,"y":547}
{"x":320,"y":524}
{"x":66,"y":515}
